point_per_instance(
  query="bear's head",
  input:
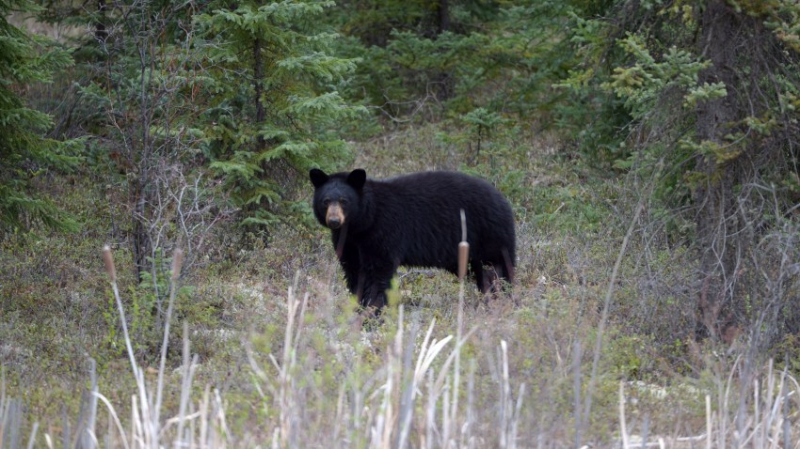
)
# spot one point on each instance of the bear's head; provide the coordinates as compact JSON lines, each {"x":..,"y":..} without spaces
{"x":337,"y":197}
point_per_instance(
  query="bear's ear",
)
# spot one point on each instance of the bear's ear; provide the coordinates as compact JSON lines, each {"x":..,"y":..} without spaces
{"x":357,"y":178}
{"x":318,"y":177}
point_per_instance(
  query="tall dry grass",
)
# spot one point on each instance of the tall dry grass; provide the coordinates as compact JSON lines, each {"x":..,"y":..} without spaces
{"x":425,"y":382}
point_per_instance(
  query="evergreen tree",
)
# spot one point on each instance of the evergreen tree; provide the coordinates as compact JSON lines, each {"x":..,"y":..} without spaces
{"x":143,"y":65}
{"x":275,"y":104}
{"x":710,"y":89}
{"x":420,"y":53}
{"x":25,"y":152}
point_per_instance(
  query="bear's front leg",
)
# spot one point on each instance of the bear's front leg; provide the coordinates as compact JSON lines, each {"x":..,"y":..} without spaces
{"x":375,"y":284}
{"x":349,"y":260}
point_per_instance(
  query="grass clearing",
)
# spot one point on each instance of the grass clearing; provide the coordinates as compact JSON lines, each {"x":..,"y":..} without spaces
{"x":265,"y":348}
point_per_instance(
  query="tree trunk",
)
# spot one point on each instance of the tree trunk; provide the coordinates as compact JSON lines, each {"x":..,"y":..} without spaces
{"x":144,"y":160}
{"x":443,"y":11}
{"x":443,"y":80}
{"x":716,"y":217}
{"x":100,"y":31}
{"x":141,"y":238}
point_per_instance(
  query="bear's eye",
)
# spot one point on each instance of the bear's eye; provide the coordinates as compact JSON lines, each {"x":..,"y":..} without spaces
{"x":326,"y":202}
{"x":342,"y":201}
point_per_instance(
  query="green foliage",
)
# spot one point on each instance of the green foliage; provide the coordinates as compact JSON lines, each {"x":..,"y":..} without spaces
{"x":429,"y":58}
{"x":287,"y":113}
{"x":710,"y":90}
{"x":568,"y":208}
{"x":523,"y":94}
{"x":643,"y":83}
{"x":24,"y":151}
{"x":571,"y":61}
{"x":483,"y":121}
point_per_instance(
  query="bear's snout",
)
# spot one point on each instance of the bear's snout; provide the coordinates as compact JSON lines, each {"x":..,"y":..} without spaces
{"x":334,"y":217}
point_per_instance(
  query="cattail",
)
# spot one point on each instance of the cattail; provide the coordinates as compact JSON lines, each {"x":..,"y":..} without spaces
{"x":177,"y":261}
{"x":109,"y":260}
{"x":463,"y":254}
{"x":463,"y":248}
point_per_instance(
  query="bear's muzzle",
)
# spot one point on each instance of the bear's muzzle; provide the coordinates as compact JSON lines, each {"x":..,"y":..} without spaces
{"x":334,"y":216}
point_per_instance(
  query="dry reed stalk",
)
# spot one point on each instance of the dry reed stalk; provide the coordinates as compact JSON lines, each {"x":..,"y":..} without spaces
{"x":136,"y":427}
{"x":204,"y":415}
{"x":430,"y":415}
{"x":112,"y":275}
{"x":187,"y":373}
{"x":177,"y":260}
{"x":463,"y":258}
{"x":33,"y":436}
{"x":3,"y":407}
{"x":517,"y":412}
{"x":137,"y":372}
{"x":787,"y":430}
{"x":724,"y":401}
{"x":428,"y":352}
{"x":505,"y":392}
{"x":408,"y":382}
{"x":114,"y":419}
{"x":576,"y":388}
{"x":509,"y":410}
{"x":446,"y":418}
{"x":770,"y":389}
{"x":220,"y":415}
{"x":339,"y":414}
{"x":466,"y":435}
{"x":283,"y":393}
{"x":622,"y":423}
{"x":505,"y":401}
{"x":147,"y":429}
{"x":2,"y":403}
{"x":757,"y":441}
{"x":380,"y":431}
{"x":708,"y":422}
{"x":87,"y":423}
{"x":391,"y":425}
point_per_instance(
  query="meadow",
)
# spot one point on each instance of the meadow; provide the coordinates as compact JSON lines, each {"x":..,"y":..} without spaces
{"x":261,"y":345}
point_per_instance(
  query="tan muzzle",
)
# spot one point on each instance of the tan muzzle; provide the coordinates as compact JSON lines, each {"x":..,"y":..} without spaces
{"x":334,"y":216}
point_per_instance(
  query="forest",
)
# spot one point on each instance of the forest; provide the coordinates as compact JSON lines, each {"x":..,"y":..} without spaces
{"x":164,"y":283}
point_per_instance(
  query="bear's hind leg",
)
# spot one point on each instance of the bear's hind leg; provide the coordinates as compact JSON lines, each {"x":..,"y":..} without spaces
{"x":480,"y":275}
{"x":491,"y":278}
{"x":503,"y":276}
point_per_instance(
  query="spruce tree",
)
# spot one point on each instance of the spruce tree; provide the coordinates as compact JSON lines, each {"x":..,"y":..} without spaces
{"x":710,"y":89}
{"x":421,"y":54}
{"x":25,"y":152}
{"x":275,"y":105}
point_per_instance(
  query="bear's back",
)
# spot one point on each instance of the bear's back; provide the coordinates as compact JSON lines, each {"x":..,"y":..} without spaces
{"x":443,"y":183}
{"x":447,"y":190}
{"x":423,"y":210}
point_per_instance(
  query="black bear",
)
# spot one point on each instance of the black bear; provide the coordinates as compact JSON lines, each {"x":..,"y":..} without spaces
{"x":413,"y":220}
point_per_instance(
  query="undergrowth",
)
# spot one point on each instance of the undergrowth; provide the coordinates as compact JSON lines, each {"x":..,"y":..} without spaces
{"x":266,"y":349}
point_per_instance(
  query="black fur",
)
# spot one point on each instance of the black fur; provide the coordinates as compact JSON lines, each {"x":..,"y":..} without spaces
{"x":414,"y":220}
